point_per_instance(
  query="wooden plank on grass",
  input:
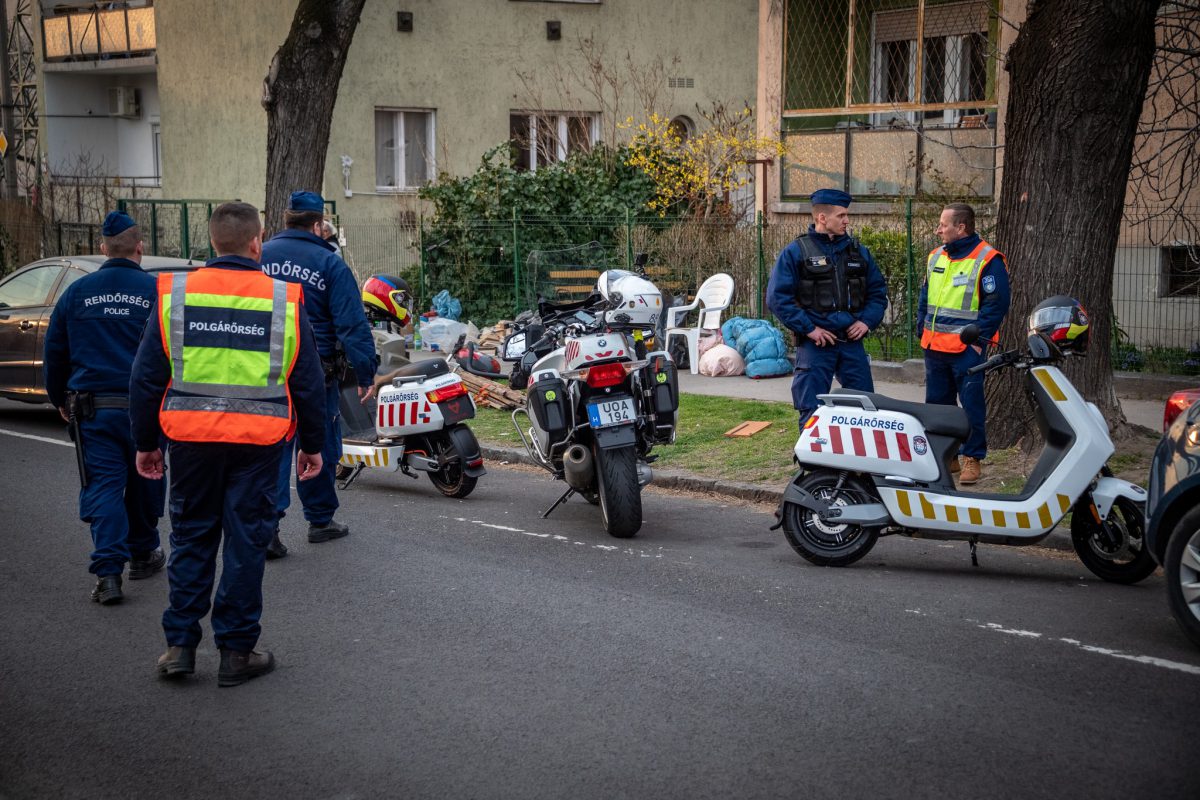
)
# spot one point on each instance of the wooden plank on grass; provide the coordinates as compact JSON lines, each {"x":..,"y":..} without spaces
{"x":746,"y":429}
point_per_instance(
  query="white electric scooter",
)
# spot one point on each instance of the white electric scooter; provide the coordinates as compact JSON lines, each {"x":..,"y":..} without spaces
{"x":871,"y":466}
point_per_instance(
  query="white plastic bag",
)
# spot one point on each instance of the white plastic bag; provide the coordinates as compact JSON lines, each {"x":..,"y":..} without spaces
{"x":441,"y":334}
{"x":721,"y":361}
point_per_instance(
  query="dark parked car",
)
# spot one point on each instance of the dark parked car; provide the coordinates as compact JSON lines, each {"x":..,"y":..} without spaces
{"x":1173,"y":509}
{"x":27,"y":298}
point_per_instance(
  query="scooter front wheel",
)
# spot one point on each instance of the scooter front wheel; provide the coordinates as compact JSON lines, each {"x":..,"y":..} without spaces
{"x":823,"y":543}
{"x":1114,"y":549}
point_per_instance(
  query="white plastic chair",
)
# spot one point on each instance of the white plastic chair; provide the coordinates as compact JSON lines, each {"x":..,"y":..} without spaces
{"x":714,"y":296}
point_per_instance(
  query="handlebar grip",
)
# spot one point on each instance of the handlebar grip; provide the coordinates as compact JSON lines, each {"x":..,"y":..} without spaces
{"x":991,"y":362}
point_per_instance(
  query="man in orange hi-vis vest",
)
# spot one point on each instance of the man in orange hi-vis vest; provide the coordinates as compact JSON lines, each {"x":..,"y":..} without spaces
{"x":227,"y":370}
{"x":966,"y":281}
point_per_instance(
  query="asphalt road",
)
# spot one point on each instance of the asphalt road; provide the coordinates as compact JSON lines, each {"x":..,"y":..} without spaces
{"x":471,"y":649}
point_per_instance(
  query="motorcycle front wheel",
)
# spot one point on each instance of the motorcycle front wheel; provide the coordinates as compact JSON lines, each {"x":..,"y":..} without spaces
{"x":1114,"y":549}
{"x":823,"y":543}
{"x":450,"y":480}
{"x":620,"y":494}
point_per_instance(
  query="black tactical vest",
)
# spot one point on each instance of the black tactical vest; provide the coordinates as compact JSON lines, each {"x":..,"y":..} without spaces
{"x":824,"y":285}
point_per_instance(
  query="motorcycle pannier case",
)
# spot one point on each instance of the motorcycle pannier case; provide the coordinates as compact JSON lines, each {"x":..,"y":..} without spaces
{"x":663,"y":377}
{"x":548,"y":403}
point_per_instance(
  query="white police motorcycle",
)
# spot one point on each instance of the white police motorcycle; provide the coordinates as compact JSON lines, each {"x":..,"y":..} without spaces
{"x":871,"y":465}
{"x":599,"y":401}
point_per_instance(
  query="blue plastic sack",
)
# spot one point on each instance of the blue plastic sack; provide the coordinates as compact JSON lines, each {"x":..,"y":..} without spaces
{"x":446,"y":306}
{"x":760,"y":344}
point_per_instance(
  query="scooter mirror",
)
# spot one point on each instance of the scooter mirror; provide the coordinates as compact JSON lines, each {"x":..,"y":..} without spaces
{"x":514,"y":346}
{"x":969,"y":335}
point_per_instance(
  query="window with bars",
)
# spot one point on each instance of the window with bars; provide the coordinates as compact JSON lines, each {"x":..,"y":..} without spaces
{"x":1180,"y":271}
{"x":538,"y":139}
{"x":404,"y":148}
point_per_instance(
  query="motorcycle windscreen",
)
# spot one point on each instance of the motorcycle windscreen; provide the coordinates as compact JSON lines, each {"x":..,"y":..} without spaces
{"x":358,"y":418}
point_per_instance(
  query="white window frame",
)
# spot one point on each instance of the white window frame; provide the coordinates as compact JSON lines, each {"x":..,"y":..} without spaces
{"x":398,"y":152}
{"x":561,"y":122}
{"x":156,"y":143}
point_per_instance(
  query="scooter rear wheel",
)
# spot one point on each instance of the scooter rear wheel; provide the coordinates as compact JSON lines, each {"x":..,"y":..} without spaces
{"x":450,"y":480}
{"x":1114,"y":550}
{"x":823,"y":543}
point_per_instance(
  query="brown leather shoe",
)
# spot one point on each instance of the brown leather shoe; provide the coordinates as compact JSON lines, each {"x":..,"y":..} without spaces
{"x":238,"y":667}
{"x":177,"y":661}
{"x":972,"y":470}
{"x":954,"y":465}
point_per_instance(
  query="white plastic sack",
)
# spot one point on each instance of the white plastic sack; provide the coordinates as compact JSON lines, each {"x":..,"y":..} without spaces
{"x":441,"y":334}
{"x":721,"y":361}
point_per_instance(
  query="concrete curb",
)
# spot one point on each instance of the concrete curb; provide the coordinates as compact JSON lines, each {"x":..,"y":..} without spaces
{"x":753,"y":492}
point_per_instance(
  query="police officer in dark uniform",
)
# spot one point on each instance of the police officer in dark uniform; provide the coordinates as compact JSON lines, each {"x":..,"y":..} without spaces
{"x":299,"y":254}
{"x":90,"y":345}
{"x":227,"y":370}
{"x":827,"y":289}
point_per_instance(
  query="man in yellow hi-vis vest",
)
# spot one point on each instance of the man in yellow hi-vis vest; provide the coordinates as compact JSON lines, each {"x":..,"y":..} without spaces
{"x":966,"y":280}
{"x":227,"y":369}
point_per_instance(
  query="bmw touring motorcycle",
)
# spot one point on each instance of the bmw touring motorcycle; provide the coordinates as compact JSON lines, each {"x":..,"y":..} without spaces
{"x":598,"y":401}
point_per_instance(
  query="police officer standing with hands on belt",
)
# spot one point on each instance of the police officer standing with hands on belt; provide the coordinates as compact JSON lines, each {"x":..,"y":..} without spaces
{"x":227,"y":369}
{"x":299,"y":254}
{"x":90,"y":346}
{"x":827,"y":289}
{"x":966,"y":280}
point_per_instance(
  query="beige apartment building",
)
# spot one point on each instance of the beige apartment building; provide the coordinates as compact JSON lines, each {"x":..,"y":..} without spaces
{"x":164,"y":97}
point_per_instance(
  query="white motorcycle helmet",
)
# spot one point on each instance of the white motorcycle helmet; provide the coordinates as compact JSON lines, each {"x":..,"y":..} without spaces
{"x":633,"y":300}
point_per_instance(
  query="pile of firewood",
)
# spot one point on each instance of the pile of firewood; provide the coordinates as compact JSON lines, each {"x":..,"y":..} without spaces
{"x":491,"y":338}
{"x":489,"y":393}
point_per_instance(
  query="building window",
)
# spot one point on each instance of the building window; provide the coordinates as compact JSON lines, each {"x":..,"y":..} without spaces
{"x":1180,"y":271}
{"x":682,"y":128}
{"x":538,"y":139}
{"x":404,"y":148}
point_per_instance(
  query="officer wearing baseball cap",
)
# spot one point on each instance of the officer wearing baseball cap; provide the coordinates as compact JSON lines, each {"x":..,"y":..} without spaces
{"x":299,"y":254}
{"x":827,"y":289}
{"x":90,"y":345}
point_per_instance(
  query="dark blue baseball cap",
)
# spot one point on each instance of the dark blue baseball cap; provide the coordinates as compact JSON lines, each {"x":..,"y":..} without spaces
{"x":306,"y":201}
{"x":116,"y":222}
{"x":831,"y":197}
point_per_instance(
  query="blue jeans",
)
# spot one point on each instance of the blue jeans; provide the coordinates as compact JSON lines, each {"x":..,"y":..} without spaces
{"x":318,"y":494}
{"x":817,"y":366}
{"x":121,"y":506}
{"x":947,"y":383}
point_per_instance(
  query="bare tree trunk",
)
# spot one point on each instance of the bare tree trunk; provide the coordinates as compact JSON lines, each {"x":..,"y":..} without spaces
{"x":1078,"y":80}
{"x":299,"y":93}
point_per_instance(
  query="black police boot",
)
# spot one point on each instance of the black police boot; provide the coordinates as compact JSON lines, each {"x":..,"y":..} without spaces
{"x":238,"y":667}
{"x":177,"y":661}
{"x":147,"y":565}
{"x":276,"y":549}
{"x":330,"y":530}
{"x":108,"y":590}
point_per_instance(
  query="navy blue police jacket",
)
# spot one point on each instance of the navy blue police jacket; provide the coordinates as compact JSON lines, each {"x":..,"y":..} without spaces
{"x":331,"y":295}
{"x":94,"y":331}
{"x":781,"y":289}
{"x":152,"y":372}
{"x":995,"y":294}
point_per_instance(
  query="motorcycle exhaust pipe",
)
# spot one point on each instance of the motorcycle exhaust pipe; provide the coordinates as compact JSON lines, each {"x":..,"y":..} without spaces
{"x":644,"y":473}
{"x":579,"y":470}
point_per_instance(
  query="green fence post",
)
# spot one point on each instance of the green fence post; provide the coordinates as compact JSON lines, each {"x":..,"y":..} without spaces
{"x":211,"y":254}
{"x":628,"y":240}
{"x":421,"y":263}
{"x":516,"y":265}
{"x":760,"y":284}
{"x":908,"y":276}
{"x":185,"y":242}
{"x":154,"y":229}
{"x":122,"y":206}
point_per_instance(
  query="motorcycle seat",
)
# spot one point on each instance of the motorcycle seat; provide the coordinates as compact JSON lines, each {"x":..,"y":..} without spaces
{"x":941,"y":420}
{"x":429,"y":368}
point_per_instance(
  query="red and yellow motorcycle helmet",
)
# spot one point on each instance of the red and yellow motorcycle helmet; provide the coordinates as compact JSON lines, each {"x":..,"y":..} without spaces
{"x":387,"y":297}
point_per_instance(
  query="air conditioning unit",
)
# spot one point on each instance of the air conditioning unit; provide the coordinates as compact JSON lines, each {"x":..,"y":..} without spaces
{"x":123,"y":102}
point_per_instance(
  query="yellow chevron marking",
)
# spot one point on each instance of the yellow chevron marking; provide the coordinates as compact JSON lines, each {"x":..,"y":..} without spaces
{"x":927,"y":509}
{"x":905,"y":506}
{"x":1022,"y":519}
{"x":997,"y":518}
{"x":385,"y":458}
{"x":1064,"y":503}
{"x":951,"y":514}
{"x":975,"y":515}
{"x":1044,"y":515}
{"x":1049,"y":385}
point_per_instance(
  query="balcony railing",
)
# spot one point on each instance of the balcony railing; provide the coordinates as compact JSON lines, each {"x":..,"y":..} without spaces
{"x":99,"y":34}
